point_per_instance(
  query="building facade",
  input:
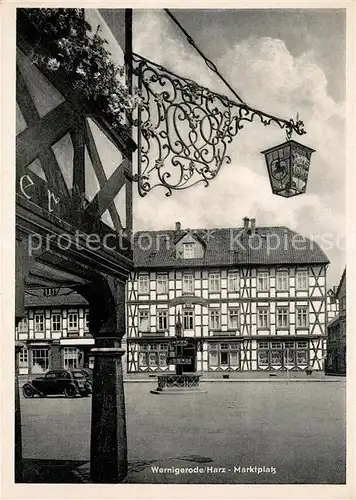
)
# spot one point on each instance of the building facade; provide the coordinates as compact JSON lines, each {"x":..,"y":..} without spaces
{"x":249,"y":299}
{"x":336,"y":334}
{"x":54,"y":331}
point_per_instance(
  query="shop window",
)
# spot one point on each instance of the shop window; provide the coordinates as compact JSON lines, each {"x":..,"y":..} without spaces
{"x":70,"y":357}
{"x":23,"y":357}
{"x":40,"y":360}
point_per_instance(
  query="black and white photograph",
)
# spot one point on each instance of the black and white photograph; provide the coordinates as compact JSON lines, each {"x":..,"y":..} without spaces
{"x":181,"y":263}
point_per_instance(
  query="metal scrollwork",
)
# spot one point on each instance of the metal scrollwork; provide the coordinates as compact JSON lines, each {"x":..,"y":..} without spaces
{"x":184,"y":129}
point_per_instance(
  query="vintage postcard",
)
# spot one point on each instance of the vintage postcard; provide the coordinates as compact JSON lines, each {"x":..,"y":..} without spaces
{"x":177,"y":201}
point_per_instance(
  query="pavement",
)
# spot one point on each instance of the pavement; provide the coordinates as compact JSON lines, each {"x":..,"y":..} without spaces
{"x":234,"y":433}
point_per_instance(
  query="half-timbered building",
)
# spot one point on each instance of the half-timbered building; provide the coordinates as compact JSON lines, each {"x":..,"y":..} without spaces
{"x":336,"y":334}
{"x":249,"y":298}
{"x":54,"y":331}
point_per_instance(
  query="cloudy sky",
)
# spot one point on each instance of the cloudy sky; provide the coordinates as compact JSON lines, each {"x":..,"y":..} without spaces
{"x":283,"y":62}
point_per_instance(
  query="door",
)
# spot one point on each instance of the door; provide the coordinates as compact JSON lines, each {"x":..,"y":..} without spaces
{"x":189,"y":352}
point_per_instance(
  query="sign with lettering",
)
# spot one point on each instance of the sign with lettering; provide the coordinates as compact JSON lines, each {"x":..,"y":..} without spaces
{"x":179,"y":361}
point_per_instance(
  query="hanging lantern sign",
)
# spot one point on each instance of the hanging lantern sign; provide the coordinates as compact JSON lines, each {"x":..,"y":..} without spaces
{"x":288,"y":167}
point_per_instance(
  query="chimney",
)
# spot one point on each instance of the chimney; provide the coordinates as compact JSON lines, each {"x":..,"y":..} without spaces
{"x":253,"y":226}
{"x":178,"y":226}
{"x":246,"y":220}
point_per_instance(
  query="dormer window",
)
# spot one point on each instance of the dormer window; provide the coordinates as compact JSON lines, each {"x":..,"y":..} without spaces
{"x":188,"y":250}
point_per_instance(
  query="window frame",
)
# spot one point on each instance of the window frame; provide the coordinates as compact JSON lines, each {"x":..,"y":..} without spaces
{"x":146,"y":312}
{"x":233,"y":276}
{"x":266,"y":276}
{"x":237,"y":314}
{"x":162,"y":279}
{"x":75,"y":324}
{"x":42,"y":322}
{"x":280,"y":309}
{"x":217,"y":313}
{"x":306,"y":277}
{"x":53,"y":322}
{"x":284,"y":275}
{"x":214,"y":282}
{"x":298,"y":309}
{"x":188,"y":254}
{"x":188,"y":314}
{"x":162,"y":315}
{"x":188,"y":279}
{"x":263,"y":309}
{"x":143,"y":279}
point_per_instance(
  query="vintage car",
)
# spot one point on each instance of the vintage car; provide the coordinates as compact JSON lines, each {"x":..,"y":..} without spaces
{"x":68,"y":382}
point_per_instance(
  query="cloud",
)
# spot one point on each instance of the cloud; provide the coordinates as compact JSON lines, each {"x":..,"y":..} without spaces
{"x":269,"y":78}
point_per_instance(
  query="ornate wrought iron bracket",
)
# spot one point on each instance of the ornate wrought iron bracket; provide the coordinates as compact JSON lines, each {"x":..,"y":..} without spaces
{"x":184,"y":129}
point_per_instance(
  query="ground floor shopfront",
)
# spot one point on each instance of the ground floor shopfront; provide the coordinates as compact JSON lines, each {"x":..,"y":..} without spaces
{"x":36,"y":358}
{"x":212,"y":354}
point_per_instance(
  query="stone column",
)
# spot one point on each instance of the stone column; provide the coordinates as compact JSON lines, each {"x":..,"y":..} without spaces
{"x":108,"y":451}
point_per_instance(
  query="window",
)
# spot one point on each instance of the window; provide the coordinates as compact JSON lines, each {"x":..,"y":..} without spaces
{"x":39,"y":323}
{"x":162,"y":320}
{"x":162,"y":283}
{"x":72,"y":321}
{"x":22,"y":326}
{"x":263,"y":317}
{"x":214,"y":317}
{"x":40,"y":359}
{"x":302,"y":357}
{"x":282,"y":315}
{"x":224,"y":355}
{"x":188,"y":250}
{"x":282,"y":282}
{"x":233,"y":319}
{"x":262,"y":281}
{"x":23,"y":358}
{"x":143,"y":321}
{"x":86,"y":321}
{"x":214,"y":282}
{"x":153,"y":356}
{"x":70,"y":357}
{"x":302,"y":316}
{"x":233,"y":282}
{"x":188,"y":319}
{"x":56,"y":322}
{"x":188,"y":283}
{"x":302,"y":279}
{"x":143,"y":284}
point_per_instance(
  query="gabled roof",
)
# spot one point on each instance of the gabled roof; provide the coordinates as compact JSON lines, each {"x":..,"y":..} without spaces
{"x":228,"y":247}
{"x":343,"y":277}
{"x":65,"y":297}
